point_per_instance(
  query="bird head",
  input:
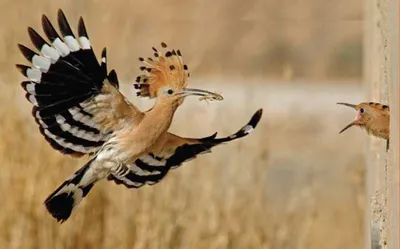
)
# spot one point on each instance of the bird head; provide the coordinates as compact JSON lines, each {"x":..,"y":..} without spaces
{"x":166,"y":77}
{"x":171,"y":92}
{"x":366,"y":113}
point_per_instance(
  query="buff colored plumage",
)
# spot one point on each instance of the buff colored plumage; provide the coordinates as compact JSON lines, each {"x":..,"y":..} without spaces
{"x":80,"y":111}
{"x":373,"y":117}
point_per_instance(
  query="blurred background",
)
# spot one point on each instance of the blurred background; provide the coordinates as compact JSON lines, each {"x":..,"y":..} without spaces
{"x":293,"y":183}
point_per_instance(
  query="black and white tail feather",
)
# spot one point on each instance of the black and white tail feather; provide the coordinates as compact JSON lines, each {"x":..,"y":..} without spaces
{"x":64,"y":74}
{"x":68,"y":195}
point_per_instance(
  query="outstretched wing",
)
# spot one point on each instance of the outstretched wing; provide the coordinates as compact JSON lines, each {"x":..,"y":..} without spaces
{"x":76,"y":103}
{"x":172,"y":152}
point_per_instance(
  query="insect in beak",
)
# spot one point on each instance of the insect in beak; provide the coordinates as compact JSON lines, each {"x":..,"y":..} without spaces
{"x":202,"y":93}
{"x":212,"y":98}
{"x":356,"y":121}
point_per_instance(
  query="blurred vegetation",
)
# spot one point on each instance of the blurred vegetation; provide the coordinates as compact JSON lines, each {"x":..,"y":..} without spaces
{"x":306,"y":39}
{"x":345,"y":59}
{"x":283,"y":187}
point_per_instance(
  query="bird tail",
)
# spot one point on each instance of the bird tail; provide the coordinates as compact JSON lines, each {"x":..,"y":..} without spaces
{"x":69,"y":194}
{"x":165,"y":66}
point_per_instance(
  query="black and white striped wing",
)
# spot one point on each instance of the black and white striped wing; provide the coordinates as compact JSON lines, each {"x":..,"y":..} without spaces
{"x":151,"y":168}
{"x":66,"y":87}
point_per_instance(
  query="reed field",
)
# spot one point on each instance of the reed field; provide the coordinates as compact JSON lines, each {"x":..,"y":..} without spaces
{"x":294,"y":183}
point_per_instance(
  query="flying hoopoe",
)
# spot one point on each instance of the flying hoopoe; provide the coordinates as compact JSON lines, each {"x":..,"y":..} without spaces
{"x":80,"y":111}
{"x":374,"y":117}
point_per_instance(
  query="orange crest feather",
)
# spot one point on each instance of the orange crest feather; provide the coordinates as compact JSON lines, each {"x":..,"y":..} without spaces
{"x":161,"y":70}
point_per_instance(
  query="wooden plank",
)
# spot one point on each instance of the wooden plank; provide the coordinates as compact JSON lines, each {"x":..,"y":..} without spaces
{"x":381,"y":78}
{"x":393,"y":185}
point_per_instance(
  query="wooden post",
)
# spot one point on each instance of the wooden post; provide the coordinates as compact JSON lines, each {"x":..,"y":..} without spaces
{"x":381,"y":78}
{"x":393,"y":187}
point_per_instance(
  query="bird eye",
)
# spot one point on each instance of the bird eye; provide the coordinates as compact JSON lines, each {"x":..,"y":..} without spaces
{"x":170,"y":91}
{"x":362,"y":110}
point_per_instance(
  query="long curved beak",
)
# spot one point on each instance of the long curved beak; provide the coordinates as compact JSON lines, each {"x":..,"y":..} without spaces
{"x":348,"y":126}
{"x":202,"y":93}
{"x":347,"y":104}
{"x":352,"y":123}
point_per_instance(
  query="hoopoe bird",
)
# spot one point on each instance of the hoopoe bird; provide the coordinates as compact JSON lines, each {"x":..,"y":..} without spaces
{"x":80,"y":111}
{"x":373,"y":117}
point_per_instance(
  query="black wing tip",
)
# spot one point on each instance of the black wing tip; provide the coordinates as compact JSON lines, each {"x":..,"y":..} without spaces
{"x":60,"y":12}
{"x":244,"y":131}
{"x":48,"y":29}
{"x":81,"y":28}
{"x":24,"y":84}
{"x":22,"y":69}
{"x":36,"y":39}
{"x":209,"y":138}
{"x":31,"y":30}
{"x":256,"y":118}
{"x":104,"y":53}
{"x":45,"y":20}
{"x":63,"y":24}
{"x":60,"y":15}
{"x":26,"y":52}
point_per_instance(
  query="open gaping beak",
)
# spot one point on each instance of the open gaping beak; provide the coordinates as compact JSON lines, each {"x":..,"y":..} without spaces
{"x":202,"y":93}
{"x":348,"y":126}
{"x":352,"y":123}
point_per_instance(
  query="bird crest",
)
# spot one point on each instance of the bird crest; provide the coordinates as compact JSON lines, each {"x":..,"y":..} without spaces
{"x":80,"y":111}
{"x":166,"y":67}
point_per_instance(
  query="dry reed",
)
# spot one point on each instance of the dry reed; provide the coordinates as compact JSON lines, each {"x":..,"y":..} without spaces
{"x":247,"y":194}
